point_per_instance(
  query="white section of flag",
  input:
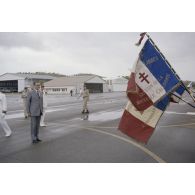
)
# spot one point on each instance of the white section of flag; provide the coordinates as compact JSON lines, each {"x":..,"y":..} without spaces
{"x":150,"y":116}
{"x":153,"y":89}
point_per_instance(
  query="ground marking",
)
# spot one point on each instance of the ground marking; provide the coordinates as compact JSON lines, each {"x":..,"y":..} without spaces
{"x":181,"y":113}
{"x":151,"y":154}
{"x":177,"y":125}
{"x":163,"y":126}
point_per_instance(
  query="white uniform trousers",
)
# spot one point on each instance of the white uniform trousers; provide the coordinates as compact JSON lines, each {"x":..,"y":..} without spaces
{"x":4,"y":125}
{"x":43,"y":117}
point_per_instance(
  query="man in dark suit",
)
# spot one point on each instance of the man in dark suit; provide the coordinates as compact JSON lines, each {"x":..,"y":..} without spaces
{"x":35,"y":110}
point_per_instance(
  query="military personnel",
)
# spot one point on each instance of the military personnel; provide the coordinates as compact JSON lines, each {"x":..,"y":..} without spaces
{"x":42,"y":123}
{"x":71,"y":92}
{"x":85,"y":94}
{"x":3,"y":111}
{"x":24,"y":98}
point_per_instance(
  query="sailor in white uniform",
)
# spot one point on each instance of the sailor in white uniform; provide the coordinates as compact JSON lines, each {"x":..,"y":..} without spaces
{"x":3,"y":111}
{"x":42,"y":123}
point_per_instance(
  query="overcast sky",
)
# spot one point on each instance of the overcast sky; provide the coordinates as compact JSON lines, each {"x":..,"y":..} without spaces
{"x":105,"y":54}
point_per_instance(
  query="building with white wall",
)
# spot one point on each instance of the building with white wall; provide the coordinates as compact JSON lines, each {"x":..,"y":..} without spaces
{"x":117,"y":84}
{"x":15,"y":82}
{"x":63,"y":85}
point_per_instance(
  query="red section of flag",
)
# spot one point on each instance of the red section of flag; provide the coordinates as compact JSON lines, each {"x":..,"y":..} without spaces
{"x":137,"y":96}
{"x":135,"y":128}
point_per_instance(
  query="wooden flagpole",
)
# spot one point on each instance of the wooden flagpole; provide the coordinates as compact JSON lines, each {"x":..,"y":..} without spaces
{"x":169,"y":65}
{"x":183,"y":100}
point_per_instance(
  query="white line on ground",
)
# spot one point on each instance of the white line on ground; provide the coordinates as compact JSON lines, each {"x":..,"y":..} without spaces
{"x":181,"y":113}
{"x":178,"y":125}
{"x":160,"y":126}
{"x":145,"y":150}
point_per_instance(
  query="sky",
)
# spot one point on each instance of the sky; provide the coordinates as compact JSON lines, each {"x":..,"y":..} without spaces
{"x":106,"y":54}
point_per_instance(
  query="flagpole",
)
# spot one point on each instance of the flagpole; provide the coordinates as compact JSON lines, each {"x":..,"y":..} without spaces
{"x":169,"y":65}
{"x":183,"y":100}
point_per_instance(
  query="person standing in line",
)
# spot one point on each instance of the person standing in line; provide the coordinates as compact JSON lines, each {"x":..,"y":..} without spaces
{"x":24,"y":98}
{"x":35,"y":110}
{"x":80,"y":92}
{"x":71,"y":91}
{"x":3,"y":111}
{"x":85,"y":95}
{"x":44,"y":93}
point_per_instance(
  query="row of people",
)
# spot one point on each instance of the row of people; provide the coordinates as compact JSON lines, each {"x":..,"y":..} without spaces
{"x":35,"y":105}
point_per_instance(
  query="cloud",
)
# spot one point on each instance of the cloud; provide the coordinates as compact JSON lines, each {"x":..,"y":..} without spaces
{"x":107,"y":54}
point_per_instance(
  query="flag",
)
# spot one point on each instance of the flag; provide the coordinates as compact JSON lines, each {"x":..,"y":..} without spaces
{"x":177,"y":94}
{"x":136,"y":95}
{"x":140,"y":124}
{"x":152,"y":78}
{"x":153,"y":84}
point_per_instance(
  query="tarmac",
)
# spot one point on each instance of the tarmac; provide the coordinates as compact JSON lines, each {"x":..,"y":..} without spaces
{"x":71,"y":137}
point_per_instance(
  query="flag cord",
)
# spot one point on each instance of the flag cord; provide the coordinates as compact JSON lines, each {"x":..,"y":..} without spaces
{"x":183,"y":100}
{"x":170,"y":66}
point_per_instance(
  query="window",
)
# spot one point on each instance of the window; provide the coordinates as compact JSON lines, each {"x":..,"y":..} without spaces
{"x":64,"y":89}
{"x":56,"y":89}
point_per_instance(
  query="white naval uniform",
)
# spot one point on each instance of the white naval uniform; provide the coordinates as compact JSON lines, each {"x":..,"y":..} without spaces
{"x":24,"y":98}
{"x":3,"y":107}
{"x":42,"y":123}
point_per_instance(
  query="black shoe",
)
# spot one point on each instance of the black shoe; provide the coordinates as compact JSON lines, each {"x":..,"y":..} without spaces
{"x":39,"y":140}
{"x":34,"y":142}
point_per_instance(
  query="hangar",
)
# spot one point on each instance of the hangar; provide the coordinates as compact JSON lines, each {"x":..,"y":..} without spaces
{"x":117,"y":84}
{"x":15,"y":82}
{"x":63,"y":85}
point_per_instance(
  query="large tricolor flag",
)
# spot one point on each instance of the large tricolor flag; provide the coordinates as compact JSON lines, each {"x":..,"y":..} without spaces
{"x":151,"y":87}
{"x":141,"y":124}
{"x":152,"y":78}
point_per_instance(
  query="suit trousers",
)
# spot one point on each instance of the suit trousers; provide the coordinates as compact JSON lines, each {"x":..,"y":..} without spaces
{"x":35,"y":124}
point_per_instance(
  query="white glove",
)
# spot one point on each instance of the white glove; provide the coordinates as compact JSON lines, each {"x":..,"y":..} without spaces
{"x":3,"y":115}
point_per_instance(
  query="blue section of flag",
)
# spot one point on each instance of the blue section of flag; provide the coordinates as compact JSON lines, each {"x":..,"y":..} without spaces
{"x":162,"y":104}
{"x":158,"y":67}
{"x":180,"y":90}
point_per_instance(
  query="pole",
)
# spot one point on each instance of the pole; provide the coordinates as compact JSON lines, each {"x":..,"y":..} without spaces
{"x":169,"y":65}
{"x":183,"y":100}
